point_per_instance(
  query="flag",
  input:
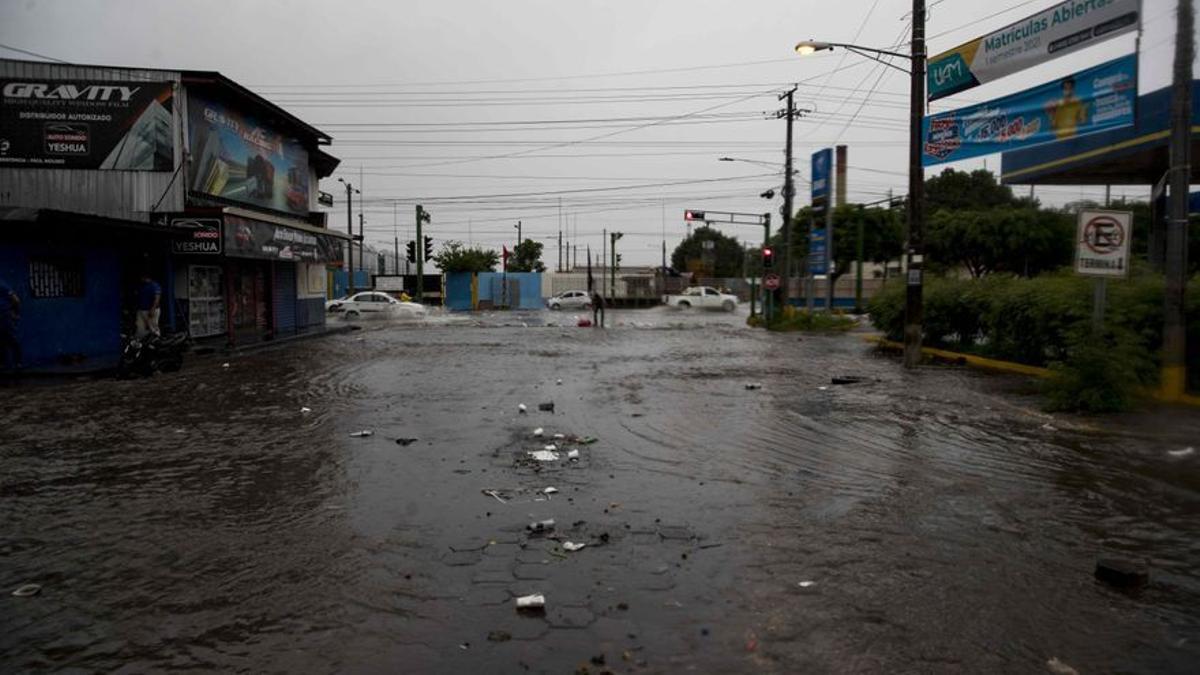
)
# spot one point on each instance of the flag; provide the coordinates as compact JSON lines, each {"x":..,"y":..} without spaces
{"x":504,"y":255}
{"x":591,"y":282}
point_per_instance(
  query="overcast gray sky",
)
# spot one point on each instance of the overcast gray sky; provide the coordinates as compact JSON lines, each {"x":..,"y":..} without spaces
{"x":607,"y":95}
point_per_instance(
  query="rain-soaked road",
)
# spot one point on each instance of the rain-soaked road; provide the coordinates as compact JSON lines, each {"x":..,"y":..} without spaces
{"x":202,"y":521}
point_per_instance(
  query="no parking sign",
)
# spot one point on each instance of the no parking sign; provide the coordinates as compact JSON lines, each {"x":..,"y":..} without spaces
{"x":1102,"y":243}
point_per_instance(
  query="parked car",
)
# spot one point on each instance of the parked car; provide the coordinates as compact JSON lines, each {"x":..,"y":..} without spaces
{"x":374,"y":304}
{"x":702,"y":297}
{"x":570,"y":300}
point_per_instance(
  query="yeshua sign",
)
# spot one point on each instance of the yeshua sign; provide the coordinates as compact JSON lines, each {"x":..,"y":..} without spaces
{"x":1060,"y":30}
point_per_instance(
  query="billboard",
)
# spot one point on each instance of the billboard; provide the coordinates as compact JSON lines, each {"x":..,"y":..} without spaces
{"x":1096,"y":99}
{"x":246,"y":238}
{"x":1057,"y":31}
{"x":1102,"y":243}
{"x":818,"y":251}
{"x":87,"y":124}
{"x":234,"y":157}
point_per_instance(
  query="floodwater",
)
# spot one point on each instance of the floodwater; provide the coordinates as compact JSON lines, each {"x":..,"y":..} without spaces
{"x":929,"y":521}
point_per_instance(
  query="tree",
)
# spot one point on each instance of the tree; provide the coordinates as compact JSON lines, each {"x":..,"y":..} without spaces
{"x":454,"y":257}
{"x":959,"y":190}
{"x":527,"y":257}
{"x":883,"y":236}
{"x":1021,"y":241}
{"x":723,"y":259}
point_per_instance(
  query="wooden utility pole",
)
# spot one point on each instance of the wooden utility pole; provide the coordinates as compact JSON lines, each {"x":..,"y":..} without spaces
{"x":1174,"y":356}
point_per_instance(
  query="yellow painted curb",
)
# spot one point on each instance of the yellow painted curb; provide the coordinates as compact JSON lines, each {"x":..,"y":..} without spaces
{"x":1020,"y":369}
{"x":971,"y":359}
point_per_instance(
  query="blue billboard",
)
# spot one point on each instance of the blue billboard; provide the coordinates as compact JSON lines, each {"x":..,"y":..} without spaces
{"x":822,"y":164}
{"x":817,"y":252}
{"x":1096,"y":99}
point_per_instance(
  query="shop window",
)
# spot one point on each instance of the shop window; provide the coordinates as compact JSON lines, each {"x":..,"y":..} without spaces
{"x":56,"y":277}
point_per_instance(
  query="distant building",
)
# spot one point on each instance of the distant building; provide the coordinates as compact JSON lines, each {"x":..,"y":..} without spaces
{"x":106,"y":173}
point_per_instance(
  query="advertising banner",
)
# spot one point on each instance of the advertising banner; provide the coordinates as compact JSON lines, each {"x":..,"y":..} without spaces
{"x":817,"y":252}
{"x":245,"y":238}
{"x":86,"y":124}
{"x":1102,"y":243}
{"x":818,"y":258}
{"x":198,"y":236}
{"x":1092,"y":100}
{"x":234,"y":157}
{"x":1057,"y":31}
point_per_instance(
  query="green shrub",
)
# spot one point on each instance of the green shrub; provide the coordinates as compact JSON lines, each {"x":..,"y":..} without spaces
{"x":887,"y":310}
{"x":1101,"y":372}
{"x":793,"y":320}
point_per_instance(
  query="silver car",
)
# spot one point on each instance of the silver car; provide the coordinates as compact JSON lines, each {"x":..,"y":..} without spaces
{"x":570,"y":300}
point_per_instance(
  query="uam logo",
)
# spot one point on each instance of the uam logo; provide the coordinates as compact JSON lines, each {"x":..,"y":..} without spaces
{"x":948,"y":74}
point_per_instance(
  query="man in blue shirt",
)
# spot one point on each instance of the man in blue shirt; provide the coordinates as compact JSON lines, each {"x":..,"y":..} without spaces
{"x":149,"y":299}
{"x":10,"y":312}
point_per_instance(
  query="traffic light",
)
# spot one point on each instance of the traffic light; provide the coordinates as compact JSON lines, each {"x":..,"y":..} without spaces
{"x":412,"y":251}
{"x":428,"y":247}
{"x":693,"y":215}
{"x":768,"y":257}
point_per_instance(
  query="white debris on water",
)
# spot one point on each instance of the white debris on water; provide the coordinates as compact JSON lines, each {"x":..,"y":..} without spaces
{"x":573,"y":454}
{"x":572,"y":546}
{"x":544,"y":455}
{"x":806,"y":584}
{"x":538,"y":432}
{"x":1181,"y":453}
{"x":534,"y":601}
{"x":362,"y":434}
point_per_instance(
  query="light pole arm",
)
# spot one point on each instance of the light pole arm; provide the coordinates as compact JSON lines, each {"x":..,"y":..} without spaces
{"x":874,"y":55}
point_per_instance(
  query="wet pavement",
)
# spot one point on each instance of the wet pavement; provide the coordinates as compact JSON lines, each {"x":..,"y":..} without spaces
{"x":933,"y":521}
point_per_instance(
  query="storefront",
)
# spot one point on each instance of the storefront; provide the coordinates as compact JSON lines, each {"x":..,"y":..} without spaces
{"x":249,"y":276}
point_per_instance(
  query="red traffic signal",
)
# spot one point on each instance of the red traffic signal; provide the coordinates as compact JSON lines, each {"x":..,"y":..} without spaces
{"x":768,"y":257}
{"x":693,"y":215}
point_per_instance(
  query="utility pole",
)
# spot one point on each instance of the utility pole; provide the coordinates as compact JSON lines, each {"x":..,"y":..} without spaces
{"x":560,"y":248}
{"x":914,"y":308}
{"x":350,"y":190}
{"x":1174,"y":357}
{"x":362,"y":249}
{"x":519,"y":240}
{"x":789,"y":192}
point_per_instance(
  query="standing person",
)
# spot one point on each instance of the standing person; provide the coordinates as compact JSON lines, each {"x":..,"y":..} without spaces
{"x":597,"y":310}
{"x":149,"y":299}
{"x":10,"y":313}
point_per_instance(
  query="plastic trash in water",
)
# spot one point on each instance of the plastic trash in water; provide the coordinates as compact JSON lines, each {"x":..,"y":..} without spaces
{"x":521,"y":408}
{"x":28,"y":590}
{"x":550,"y":491}
{"x":552,"y":447}
{"x":541,"y":525}
{"x":534,"y":601}
{"x":752,"y":386}
{"x":572,"y":546}
{"x":496,"y":494}
{"x":1181,"y":453}
{"x":559,"y":437}
{"x":546,"y":407}
{"x":573,"y":454}
{"x":806,"y":584}
{"x":305,"y":410}
{"x":362,"y":434}
{"x":558,"y":381}
{"x":538,"y":432}
{"x":544,"y":455}
{"x":405,"y":441}
{"x":225,"y":365}
{"x":1054,"y":665}
{"x":822,"y":388}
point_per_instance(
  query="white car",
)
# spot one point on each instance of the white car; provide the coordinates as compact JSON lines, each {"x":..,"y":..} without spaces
{"x":374,"y":304}
{"x":702,"y":297}
{"x":570,"y":300}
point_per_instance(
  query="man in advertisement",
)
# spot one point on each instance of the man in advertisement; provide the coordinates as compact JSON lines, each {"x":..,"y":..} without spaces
{"x":1068,"y":113}
{"x":149,"y":299}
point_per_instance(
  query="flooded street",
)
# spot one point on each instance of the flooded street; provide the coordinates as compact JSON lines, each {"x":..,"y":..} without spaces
{"x":927,"y":521}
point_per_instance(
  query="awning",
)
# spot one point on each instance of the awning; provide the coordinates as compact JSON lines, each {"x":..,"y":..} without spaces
{"x":18,"y":214}
{"x":1135,"y":155}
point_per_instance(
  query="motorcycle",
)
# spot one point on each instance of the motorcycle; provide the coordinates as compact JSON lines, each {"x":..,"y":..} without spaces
{"x":150,"y":354}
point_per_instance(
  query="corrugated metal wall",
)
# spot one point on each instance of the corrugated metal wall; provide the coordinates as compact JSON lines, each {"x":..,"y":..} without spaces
{"x":128,"y":195}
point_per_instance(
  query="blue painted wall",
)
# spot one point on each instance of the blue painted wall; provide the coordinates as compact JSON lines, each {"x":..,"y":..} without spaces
{"x":458,"y":291}
{"x":491,"y":286}
{"x":54,"y":328}
{"x":341,"y":286}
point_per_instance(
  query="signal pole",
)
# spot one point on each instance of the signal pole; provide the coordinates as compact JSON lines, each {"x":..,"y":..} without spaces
{"x":350,"y":190}
{"x":1174,"y":357}
{"x":419,"y":249}
{"x":396,"y":238}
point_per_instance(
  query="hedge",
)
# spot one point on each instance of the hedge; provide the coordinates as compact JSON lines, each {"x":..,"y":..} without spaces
{"x":1046,"y":320}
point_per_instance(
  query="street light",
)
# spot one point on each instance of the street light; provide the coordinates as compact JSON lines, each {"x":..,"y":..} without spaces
{"x":914,"y":301}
